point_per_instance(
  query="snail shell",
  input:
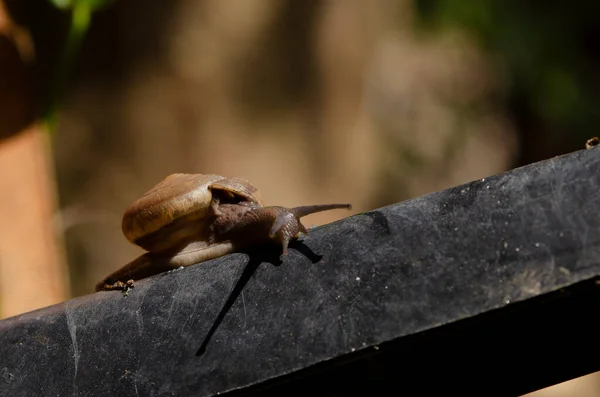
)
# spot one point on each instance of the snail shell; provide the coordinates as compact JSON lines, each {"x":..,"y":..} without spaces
{"x":178,"y":209}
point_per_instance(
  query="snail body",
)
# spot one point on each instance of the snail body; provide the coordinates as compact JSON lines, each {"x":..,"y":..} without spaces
{"x":190,"y":218}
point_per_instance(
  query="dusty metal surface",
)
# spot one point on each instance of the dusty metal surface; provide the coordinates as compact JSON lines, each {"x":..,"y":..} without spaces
{"x":431,"y":293}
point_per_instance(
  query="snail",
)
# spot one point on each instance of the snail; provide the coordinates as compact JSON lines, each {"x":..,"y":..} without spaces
{"x":190,"y":218}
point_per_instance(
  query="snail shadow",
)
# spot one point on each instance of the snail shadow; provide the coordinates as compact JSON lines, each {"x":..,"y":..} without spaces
{"x":256,"y":256}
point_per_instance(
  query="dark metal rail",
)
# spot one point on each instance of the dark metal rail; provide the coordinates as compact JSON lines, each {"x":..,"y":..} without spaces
{"x":487,"y":288}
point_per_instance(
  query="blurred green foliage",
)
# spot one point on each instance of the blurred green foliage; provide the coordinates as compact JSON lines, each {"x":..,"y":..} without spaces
{"x":81,"y":15}
{"x":74,"y":4}
{"x":547,"y":52}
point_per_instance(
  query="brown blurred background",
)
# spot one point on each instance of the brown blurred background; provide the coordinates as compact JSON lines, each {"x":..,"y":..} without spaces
{"x":368,"y":102}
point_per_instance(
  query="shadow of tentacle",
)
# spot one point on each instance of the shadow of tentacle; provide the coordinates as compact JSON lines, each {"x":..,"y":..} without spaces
{"x":256,"y":256}
{"x":254,"y":261}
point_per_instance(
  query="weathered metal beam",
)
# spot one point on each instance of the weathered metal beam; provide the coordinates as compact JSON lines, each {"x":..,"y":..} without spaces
{"x":489,"y":287}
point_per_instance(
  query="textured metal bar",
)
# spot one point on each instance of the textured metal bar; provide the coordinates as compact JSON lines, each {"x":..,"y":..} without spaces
{"x":488,"y":287}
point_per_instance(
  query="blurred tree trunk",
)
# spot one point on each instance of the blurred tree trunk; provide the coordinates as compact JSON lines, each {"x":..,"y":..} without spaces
{"x":32,"y":271}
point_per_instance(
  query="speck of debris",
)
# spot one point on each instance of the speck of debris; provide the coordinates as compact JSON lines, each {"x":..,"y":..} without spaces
{"x":564,"y":270}
{"x":537,"y":244}
{"x":357,"y":278}
{"x":590,"y":143}
{"x":560,"y":234}
{"x":376,"y":347}
{"x":353,"y":349}
{"x":507,"y":301}
{"x":505,"y":245}
{"x":517,"y":249}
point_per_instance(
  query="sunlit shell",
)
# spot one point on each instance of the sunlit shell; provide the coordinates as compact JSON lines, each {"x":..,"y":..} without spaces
{"x":178,"y":203}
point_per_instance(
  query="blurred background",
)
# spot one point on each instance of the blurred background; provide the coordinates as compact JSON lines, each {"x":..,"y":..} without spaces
{"x":368,"y":102}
